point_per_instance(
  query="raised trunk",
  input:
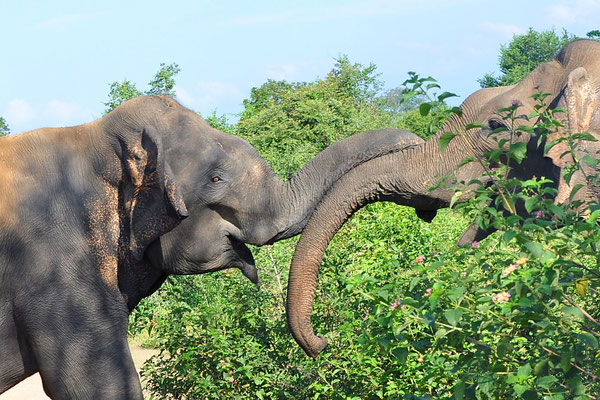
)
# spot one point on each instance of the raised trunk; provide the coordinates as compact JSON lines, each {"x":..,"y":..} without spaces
{"x":297,"y":198}
{"x":401,"y":177}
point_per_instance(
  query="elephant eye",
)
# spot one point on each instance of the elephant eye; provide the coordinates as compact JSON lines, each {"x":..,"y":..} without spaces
{"x":216,"y":179}
{"x":495,"y":124}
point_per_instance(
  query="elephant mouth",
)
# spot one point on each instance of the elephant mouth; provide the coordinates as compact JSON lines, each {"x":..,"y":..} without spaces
{"x":244,"y":260}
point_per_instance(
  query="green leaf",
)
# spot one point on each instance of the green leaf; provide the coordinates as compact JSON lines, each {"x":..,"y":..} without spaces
{"x":508,"y":236}
{"x":524,"y":371}
{"x":572,"y":311}
{"x":546,"y":382}
{"x":530,"y":204}
{"x":445,"y":140}
{"x":474,"y":125}
{"x":583,"y":136}
{"x":540,"y":368}
{"x":589,"y":160}
{"x":453,"y":316}
{"x":401,"y":353}
{"x":518,"y":151}
{"x":459,"y":391}
{"x":574,"y":191}
{"x":588,"y":339}
{"x":446,"y":95}
{"x":424,"y":109}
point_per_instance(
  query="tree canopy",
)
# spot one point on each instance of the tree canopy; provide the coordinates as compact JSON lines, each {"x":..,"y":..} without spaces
{"x":523,"y":54}
{"x":163,"y":83}
{"x":4,"y":129}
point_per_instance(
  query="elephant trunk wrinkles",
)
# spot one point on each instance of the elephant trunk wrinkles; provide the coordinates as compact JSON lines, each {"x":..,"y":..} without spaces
{"x":395,"y":177}
{"x":304,"y":191}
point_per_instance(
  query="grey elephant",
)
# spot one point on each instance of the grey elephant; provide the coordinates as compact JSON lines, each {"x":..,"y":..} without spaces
{"x":573,"y":75}
{"x":92,"y":221}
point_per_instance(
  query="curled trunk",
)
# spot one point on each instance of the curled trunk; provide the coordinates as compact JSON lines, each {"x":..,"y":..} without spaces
{"x":297,"y":198}
{"x":394,"y":177}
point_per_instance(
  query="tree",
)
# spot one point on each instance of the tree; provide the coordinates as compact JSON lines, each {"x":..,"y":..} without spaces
{"x":595,"y":34}
{"x":162,"y":84}
{"x":4,"y":129}
{"x":120,"y":92}
{"x":164,"y":80}
{"x":523,"y":54}
{"x":289,"y":123}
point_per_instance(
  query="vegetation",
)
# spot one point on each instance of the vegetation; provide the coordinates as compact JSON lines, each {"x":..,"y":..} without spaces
{"x":4,"y":129}
{"x":523,"y":54}
{"x":289,"y":123}
{"x":407,"y":314}
{"x":163,"y":83}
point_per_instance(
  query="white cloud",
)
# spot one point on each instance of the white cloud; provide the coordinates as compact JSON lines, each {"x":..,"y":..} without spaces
{"x":261,"y":19}
{"x":22,"y":115}
{"x":205,"y":96}
{"x":506,"y":30}
{"x":61,"y":113}
{"x":19,"y":112}
{"x":580,"y":12}
{"x":59,"y":24}
{"x":347,"y":10}
{"x":283,"y":72}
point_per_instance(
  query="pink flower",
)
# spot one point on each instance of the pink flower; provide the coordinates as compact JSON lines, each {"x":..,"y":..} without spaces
{"x":501,"y":297}
{"x":539,"y":214}
{"x":510,"y":269}
{"x":516,"y":103}
{"x":419,"y":259}
{"x":427,"y":292}
{"x":475,"y":244}
{"x":522,"y":261}
{"x":231,"y":379}
{"x":396,"y":304}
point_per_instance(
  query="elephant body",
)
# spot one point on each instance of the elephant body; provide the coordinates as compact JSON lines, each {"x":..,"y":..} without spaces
{"x":93,"y":218}
{"x":573,"y":79}
{"x":76,"y":203}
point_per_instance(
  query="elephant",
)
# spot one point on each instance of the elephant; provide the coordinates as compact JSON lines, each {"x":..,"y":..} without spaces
{"x":574,"y":78}
{"x":76,"y":203}
{"x":93,"y":218}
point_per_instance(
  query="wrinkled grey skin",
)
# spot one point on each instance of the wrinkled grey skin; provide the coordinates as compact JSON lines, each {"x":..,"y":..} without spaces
{"x":64,"y":300}
{"x":574,"y":75}
{"x":75,"y":204}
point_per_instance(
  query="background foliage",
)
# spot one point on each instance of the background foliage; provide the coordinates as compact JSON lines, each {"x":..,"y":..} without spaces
{"x":4,"y":129}
{"x":524,"y":53}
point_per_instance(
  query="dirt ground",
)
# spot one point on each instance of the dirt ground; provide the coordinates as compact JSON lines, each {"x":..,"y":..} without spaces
{"x":31,"y":388}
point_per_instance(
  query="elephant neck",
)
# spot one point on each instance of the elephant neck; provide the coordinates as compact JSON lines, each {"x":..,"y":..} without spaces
{"x":139,"y":279}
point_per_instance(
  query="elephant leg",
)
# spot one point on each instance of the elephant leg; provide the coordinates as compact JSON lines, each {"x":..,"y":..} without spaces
{"x":79,"y":340}
{"x":17,"y":359}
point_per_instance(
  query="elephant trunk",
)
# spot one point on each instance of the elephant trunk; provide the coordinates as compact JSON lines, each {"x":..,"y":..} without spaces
{"x":382,"y":179}
{"x":304,"y":191}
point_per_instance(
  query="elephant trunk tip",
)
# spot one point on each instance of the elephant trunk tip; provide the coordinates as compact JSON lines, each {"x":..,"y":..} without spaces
{"x":316,"y":347}
{"x":312,"y":344}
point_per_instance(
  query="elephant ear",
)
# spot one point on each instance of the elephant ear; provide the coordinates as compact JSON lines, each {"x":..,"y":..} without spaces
{"x":582,"y":102}
{"x":156,"y":203}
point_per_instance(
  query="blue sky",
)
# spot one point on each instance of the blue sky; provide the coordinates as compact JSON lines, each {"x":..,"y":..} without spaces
{"x":59,"y":57}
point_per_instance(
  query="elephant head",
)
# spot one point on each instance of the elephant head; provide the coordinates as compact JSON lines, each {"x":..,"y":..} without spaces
{"x":574,"y":78}
{"x":232,"y":195}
